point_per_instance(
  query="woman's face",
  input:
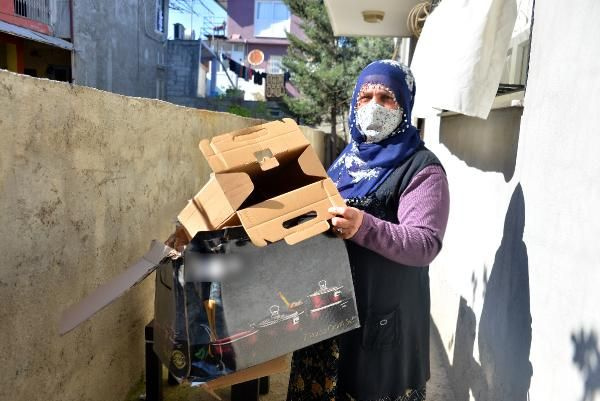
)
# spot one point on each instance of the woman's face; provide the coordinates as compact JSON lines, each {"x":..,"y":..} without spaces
{"x":378,"y":93}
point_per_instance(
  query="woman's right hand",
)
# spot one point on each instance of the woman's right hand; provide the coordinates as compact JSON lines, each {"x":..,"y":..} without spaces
{"x":346,"y":221}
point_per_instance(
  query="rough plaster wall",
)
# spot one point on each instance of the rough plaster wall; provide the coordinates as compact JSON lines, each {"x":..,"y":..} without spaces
{"x":87,"y":179}
{"x":514,"y":291}
{"x":116,"y":46}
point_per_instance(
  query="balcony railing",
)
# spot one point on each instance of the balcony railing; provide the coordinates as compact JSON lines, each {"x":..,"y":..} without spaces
{"x":214,"y":27}
{"x":38,"y":10}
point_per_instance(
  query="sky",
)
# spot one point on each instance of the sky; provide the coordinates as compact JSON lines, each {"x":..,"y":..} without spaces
{"x":203,"y":8}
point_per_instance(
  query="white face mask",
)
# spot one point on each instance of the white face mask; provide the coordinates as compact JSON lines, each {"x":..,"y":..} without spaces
{"x":377,"y":122}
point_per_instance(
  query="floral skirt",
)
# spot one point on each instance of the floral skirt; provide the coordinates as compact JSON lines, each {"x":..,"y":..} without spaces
{"x":313,"y":376}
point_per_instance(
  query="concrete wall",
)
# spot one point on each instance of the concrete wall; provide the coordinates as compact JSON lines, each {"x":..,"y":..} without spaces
{"x":87,"y":179}
{"x":117,"y":48}
{"x":182,"y":71}
{"x":514,"y":290}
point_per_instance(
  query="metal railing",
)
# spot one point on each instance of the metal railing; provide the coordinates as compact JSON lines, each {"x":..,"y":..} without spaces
{"x":38,"y":10}
{"x":214,"y":26}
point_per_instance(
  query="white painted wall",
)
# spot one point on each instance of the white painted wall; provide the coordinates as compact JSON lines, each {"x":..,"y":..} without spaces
{"x":251,"y":90}
{"x":524,"y":245}
{"x":202,"y":71}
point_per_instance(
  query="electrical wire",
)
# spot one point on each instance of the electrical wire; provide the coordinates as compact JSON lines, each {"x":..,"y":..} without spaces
{"x":208,"y":9}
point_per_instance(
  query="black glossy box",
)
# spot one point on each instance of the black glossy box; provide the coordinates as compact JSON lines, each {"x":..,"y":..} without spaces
{"x":227,"y":305}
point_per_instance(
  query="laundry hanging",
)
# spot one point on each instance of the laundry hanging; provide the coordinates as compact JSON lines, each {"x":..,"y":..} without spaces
{"x":257,"y":77}
{"x":470,"y":39}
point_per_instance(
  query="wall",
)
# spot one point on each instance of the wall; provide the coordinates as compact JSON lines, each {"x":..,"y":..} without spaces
{"x":182,"y":71}
{"x":514,"y":297}
{"x":488,"y":145}
{"x":87,"y":180}
{"x":202,"y":74}
{"x":117,"y":48}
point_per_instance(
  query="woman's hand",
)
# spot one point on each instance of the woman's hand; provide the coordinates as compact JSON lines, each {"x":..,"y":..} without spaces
{"x":347,"y":221}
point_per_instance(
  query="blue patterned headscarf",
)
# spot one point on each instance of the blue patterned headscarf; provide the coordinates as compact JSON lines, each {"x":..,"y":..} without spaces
{"x":362,"y":166}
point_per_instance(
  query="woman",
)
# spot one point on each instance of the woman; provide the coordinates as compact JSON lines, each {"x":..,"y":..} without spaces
{"x":394,"y":223}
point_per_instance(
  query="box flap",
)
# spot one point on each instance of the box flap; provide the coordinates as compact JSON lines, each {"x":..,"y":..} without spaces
{"x":259,"y":144}
{"x":235,"y":186}
{"x":310,"y":164}
{"x":215,"y":204}
{"x":107,"y":293}
{"x":269,"y":368}
{"x":269,"y":221}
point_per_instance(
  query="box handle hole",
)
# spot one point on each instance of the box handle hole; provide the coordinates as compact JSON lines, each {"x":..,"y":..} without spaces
{"x":296,"y":221}
{"x":263,"y":155}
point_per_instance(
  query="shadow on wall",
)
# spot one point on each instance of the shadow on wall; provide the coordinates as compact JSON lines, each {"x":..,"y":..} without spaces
{"x":504,"y":341}
{"x":488,"y":145}
{"x":505,"y":324}
{"x":586,"y":357}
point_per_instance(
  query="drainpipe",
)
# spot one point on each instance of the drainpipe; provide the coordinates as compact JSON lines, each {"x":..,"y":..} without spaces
{"x":396,"y":48}
{"x":404,"y":48}
{"x":213,"y":75}
{"x":412,"y":45}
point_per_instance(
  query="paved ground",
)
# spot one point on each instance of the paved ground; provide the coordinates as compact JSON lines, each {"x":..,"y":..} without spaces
{"x":438,"y":388}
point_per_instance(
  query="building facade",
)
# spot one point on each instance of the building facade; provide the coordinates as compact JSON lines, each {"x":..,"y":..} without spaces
{"x":36,"y":38}
{"x":114,"y":45}
{"x":120,"y":46}
{"x":258,"y":27}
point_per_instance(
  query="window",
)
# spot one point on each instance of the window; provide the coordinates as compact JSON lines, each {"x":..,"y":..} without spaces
{"x":237,"y":53}
{"x":160,"y":16}
{"x":275,"y":65}
{"x":271,"y":19}
{"x":514,"y":75}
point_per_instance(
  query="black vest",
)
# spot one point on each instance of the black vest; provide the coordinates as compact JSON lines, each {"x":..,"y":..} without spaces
{"x":389,"y":353}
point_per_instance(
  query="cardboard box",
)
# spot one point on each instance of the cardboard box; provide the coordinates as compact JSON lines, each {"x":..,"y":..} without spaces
{"x":267,"y":178}
{"x":269,"y":368}
{"x":109,"y":292}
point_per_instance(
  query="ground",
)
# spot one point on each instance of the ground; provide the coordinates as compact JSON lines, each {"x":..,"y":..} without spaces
{"x":438,"y":387}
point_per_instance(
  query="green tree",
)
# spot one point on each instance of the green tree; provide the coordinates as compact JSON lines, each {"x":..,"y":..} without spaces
{"x":323,"y":67}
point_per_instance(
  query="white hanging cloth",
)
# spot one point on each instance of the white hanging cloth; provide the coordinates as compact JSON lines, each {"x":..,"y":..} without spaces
{"x":460,"y":56}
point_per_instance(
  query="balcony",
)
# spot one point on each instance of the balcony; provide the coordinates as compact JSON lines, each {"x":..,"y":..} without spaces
{"x":37,"y":10}
{"x":46,"y":17}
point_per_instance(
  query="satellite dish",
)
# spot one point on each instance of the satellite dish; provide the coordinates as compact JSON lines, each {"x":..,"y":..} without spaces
{"x":256,"y":57}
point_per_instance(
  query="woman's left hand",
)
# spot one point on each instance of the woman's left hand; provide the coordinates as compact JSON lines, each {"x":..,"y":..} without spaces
{"x":347,"y":221}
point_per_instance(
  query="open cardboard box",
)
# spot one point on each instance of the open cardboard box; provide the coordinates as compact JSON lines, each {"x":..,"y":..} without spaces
{"x":267,"y":178}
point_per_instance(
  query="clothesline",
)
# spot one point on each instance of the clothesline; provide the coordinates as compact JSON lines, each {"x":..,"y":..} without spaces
{"x":248,"y":73}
